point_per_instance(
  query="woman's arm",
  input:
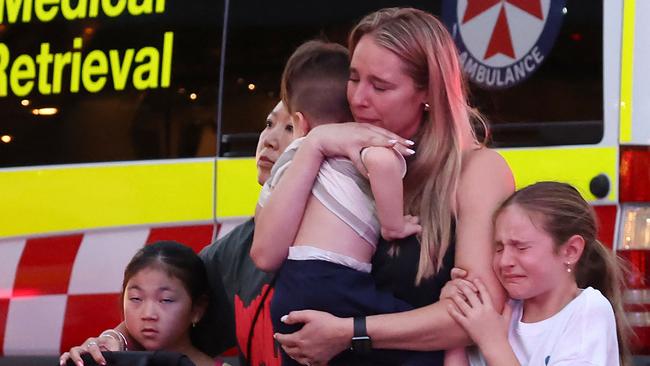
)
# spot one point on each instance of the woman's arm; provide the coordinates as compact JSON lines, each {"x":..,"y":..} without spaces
{"x":278,"y":221}
{"x":486,"y":181}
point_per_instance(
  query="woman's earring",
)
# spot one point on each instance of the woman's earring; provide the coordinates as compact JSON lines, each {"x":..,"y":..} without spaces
{"x":568,"y":267}
{"x":193,"y":324}
{"x":427,"y":107}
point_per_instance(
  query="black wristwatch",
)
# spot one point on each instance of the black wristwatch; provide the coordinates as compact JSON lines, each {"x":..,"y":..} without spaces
{"x":361,"y":342}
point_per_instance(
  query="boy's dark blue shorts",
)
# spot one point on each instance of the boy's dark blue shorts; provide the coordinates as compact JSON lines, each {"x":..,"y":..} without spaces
{"x":343,"y":292}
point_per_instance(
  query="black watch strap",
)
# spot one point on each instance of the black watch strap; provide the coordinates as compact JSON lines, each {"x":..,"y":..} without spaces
{"x":361,"y":342}
{"x":360,"y":326}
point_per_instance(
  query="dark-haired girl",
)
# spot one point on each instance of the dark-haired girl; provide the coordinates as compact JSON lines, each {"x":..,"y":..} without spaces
{"x":164,"y":295}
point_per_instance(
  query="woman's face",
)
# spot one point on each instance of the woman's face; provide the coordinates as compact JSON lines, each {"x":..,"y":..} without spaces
{"x":381,"y":93}
{"x":275,"y":137}
{"x":526,"y":260}
{"x":158,"y":310}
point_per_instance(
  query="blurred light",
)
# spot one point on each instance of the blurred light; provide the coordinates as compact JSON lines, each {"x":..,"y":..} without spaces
{"x":576,"y":37}
{"x":240,"y":81}
{"x":635,"y":222}
{"x":6,"y":139}
{"x":251,"y":86}
{"x":89,"y":31}
{"x":564,"y":10}
{"x":181,"y":90}
{"x":25,"y":102}
{"x":193,"y":96}
{"x":48,"y":111}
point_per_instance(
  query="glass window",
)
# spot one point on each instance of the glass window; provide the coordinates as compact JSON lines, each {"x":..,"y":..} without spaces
{"x":560,"y":103}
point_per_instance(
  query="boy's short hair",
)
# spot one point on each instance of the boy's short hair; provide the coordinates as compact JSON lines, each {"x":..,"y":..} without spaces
{"x":314,"y":82}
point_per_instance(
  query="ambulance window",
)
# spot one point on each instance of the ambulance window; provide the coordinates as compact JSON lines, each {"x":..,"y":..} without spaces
{"x":262,"y":36}
{"x":112,"y":81}
{"x":556,"y":101}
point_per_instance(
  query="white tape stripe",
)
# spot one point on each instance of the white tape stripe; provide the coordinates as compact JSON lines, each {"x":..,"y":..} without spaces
{"x":10,"y":253}
{"x":101,"y":259}
{"x":636,"y":296}
{"x":34,"y":325}
{"x":638,"y":319}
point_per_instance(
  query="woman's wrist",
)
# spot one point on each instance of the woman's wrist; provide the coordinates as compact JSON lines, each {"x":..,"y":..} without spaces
{"x":346,"y":331}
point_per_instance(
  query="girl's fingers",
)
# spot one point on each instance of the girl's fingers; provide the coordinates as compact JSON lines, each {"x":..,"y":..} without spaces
{"x":461,"y":304}
{"x":457,"y":315}
{"x":483,"y":292}
{"x":507,"y":312}
{"x":458,"y":273}
{"x":471,"y":295}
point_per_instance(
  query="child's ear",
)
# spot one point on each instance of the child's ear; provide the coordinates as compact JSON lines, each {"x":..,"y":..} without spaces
{"x":199,"y":307}
{"x":572,"y":249}
{"x":300,"y":125}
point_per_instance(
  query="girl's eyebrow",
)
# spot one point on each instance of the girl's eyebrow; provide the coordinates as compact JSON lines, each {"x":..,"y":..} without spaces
{"x":133,"y":287}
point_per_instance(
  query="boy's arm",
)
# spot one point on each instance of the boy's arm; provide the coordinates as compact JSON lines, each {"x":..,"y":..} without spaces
{"x":385,"y":171}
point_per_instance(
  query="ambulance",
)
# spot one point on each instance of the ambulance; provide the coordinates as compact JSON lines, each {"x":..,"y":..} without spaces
{"x":125,"y":122}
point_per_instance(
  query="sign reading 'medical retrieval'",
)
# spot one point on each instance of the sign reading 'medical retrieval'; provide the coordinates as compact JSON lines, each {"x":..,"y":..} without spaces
{"x":76,"y":68}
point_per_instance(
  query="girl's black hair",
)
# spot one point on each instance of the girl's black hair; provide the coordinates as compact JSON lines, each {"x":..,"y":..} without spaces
{"x":179,"y":261}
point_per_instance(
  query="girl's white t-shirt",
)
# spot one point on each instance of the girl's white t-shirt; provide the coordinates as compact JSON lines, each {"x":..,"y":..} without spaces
{"x":582,"y":333}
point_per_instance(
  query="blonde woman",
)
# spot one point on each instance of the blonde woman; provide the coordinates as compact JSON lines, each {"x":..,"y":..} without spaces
{"x":406,"y":86}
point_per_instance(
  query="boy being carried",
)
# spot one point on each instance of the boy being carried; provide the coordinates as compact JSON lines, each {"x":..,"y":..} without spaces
{"x":328,"y":266}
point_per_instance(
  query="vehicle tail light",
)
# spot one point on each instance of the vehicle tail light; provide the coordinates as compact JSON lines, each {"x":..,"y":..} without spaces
{"x":634,"y":240}
{"x":635,"y":174}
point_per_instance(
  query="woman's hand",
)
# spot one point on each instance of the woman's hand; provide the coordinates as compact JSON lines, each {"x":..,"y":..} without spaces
{"x":322,"y":337}
{"x":348,"y":139}
{"x":92,"y":345}
{"x":475,"y":312}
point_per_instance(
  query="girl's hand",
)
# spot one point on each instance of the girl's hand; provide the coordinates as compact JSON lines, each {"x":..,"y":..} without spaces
{"x":455,"y":287}
{"x":322,"y":337}
{"x":348,"y":139}
{"x":411,"y":226}
{"x":456,"y":284}
{"x":92,"y":345}
{"x":475,"y":312}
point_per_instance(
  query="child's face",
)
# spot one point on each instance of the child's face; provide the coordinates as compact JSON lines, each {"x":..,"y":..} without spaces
{"x":158,"y":310}
{"x":274,"y":139}
{"x":525,"y":260}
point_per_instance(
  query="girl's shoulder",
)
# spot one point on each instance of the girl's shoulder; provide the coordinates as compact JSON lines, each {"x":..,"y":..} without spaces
{"x":594,"y":303}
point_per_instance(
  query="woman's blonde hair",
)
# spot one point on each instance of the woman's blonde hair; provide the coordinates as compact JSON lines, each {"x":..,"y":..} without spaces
{"x":563,"y":213}
{"x":430,"y":58}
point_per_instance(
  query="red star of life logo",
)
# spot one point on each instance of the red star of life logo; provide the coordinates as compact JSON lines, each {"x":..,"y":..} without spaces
{"x":501,"y":39}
